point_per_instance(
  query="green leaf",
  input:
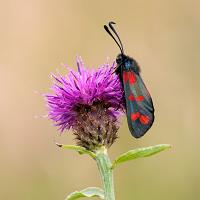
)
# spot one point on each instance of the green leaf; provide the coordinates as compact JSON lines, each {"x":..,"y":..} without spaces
{"x":79,"y":149}
{"x":88,"y":192}
{"x":140,"y":153}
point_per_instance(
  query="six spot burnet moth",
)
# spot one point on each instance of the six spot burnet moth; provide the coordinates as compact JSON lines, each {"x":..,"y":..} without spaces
{"x":139,"y":105}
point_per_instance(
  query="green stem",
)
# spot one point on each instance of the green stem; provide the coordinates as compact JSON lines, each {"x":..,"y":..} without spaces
{"x":104,"y":166}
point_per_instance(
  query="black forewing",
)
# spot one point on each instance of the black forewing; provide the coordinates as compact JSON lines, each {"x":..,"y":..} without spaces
{"x":144,"y":107}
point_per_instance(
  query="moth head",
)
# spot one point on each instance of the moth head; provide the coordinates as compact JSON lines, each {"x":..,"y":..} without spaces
{"x":120,"y":58}
{"x":125,"y":60}
{"x":128,"y":63}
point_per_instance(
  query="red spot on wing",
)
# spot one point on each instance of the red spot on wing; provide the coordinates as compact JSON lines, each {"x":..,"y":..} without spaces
{"x":135,"y":116}
{"x":125,"y":76}
{"x":131,"y":98}
{"x":144,"y":119}
{"x":132,"y":78}
{"x":129,"y":76}
{"x":139,"y":98}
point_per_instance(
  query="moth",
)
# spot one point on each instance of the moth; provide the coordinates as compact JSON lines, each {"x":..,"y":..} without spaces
{"x":138,"y":102}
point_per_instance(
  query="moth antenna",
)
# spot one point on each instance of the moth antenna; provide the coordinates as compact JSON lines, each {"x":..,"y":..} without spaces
{"x":113,"y":29}
{"x":108,"y":31}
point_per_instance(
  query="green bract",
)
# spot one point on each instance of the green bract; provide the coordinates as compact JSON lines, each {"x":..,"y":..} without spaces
{"x":79,"y":149}
{"x":140,"y":153}
{"x":88,"y":192}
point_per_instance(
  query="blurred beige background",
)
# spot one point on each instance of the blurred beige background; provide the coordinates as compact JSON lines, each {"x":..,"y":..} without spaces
{"x":37,"y":36}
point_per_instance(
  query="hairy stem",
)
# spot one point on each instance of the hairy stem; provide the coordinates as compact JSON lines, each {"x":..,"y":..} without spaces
{"x":104,"y":166}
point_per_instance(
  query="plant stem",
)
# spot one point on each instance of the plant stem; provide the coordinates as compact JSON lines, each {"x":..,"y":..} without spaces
{"x":104,"y":166}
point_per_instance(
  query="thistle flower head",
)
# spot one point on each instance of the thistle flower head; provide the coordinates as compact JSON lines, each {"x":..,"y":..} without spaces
{"x":89,"y":103}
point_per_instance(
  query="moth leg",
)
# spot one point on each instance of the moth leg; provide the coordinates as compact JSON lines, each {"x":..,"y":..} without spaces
{"x":118,"y":107}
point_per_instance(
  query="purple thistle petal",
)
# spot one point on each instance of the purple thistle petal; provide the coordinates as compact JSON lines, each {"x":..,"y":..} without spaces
{"x":84,"y":88}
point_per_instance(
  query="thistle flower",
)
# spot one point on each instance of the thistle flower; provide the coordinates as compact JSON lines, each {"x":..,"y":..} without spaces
{"x":89,"y":103}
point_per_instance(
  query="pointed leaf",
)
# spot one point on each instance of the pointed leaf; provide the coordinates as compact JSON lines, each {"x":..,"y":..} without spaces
{"x":88,"y":192}
{"x":79,"y":149}
{"x":139,"y":153}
